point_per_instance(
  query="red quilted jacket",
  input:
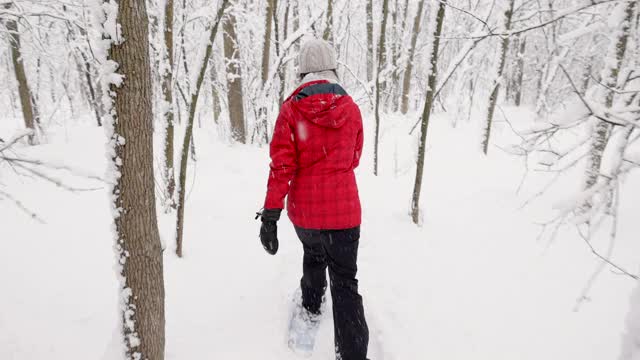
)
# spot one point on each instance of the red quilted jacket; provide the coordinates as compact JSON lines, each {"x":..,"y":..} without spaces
{"x":317,"y":142}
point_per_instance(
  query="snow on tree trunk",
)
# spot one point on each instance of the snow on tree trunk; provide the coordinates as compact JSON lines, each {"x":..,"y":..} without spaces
{"x":283,"y":69}
{"x":406,"y":81}
{"x":235,"y":99}
{"x":193,"y":105}
{"x":620,"y":18}
{"x":396,"y":41}
{"x":328,"y":29}
{"x":167,"y":91}
{"x":519,"y":77}
{"x":381,"y":65}
{"x":266,"y":49}
{"x":370,"y":53}
{"x":296,"y":22}
{"x":93,"y":95}
{"x":215,"y":96}
{"x":495,"y":87}
{"x":26,"y":99}
{"x":138,"y":247}
{"x":426,"y":113}
{"x":263,"y":99}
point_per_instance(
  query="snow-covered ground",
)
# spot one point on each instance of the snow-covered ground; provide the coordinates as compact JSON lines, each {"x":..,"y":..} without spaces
{"x":473,"y":282}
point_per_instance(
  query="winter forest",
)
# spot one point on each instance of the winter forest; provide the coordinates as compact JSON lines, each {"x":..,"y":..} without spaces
{"x":498,"y":179}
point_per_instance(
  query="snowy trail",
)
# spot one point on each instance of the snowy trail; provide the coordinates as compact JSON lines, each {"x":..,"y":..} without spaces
{"x":471,"y":283}
{"x":249,"y":290}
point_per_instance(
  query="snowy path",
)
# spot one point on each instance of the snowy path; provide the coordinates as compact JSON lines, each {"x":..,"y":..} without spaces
{"x":472,"y":283}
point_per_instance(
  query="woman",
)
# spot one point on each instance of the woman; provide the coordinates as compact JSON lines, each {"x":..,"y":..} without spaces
{"x":316,"y":145}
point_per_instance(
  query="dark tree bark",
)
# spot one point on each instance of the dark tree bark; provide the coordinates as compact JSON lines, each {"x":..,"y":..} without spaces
{"x":426,"y":113}
{"x":138,"y":240}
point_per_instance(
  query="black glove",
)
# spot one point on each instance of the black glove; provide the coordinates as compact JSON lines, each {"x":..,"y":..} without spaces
{"x":269,"y":229}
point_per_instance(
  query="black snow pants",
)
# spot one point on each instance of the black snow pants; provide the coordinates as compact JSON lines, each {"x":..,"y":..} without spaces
{"x":338,"y":250}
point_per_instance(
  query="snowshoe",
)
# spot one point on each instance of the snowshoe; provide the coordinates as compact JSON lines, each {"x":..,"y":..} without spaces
{"x":303,"y":328}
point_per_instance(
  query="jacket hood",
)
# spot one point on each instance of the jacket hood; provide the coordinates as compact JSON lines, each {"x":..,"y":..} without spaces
{"x":323,"y":103}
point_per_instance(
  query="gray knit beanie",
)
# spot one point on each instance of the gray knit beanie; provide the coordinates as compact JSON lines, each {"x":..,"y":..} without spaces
{"x":316,"y":55}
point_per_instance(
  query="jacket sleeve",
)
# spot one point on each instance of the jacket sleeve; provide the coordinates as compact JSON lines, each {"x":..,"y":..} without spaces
{"x":284,"y":161}
{"x":359,"y":142}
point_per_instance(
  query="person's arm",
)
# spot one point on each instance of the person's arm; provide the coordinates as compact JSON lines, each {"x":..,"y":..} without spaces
{"x":359,"y":142}
{"x":283,"y":162}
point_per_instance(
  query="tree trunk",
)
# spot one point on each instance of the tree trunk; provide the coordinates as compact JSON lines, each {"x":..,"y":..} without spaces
{"x":86,"y":70}
{"x":405,"y":13}
{"x":296,"y":22}
{"x":406,"y":81}
{"x":586,"y":78}
{"x":283,"y":69}
{"x":167,"y":91}
{"x":215,"y":97}
{"x":234,"y":80}
{"x":138,"y":241}
{"x":184,"y":64}
{"x":193,"y":105}
{"x":26,"y":99}
{"x":276,"y":41}
{"x":493,"y":98}
{"x":328,"y":30}
{"x":510,"y":69}
{"x":609,"y":79}
{"x":264,"y":98}
{"x":519,"y":72}
{"x":370,"y":55}
{"x":266,"y":49}
{"x":426,"y":113}
{"x":395,"y":55}
{"x":381,"y":64}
